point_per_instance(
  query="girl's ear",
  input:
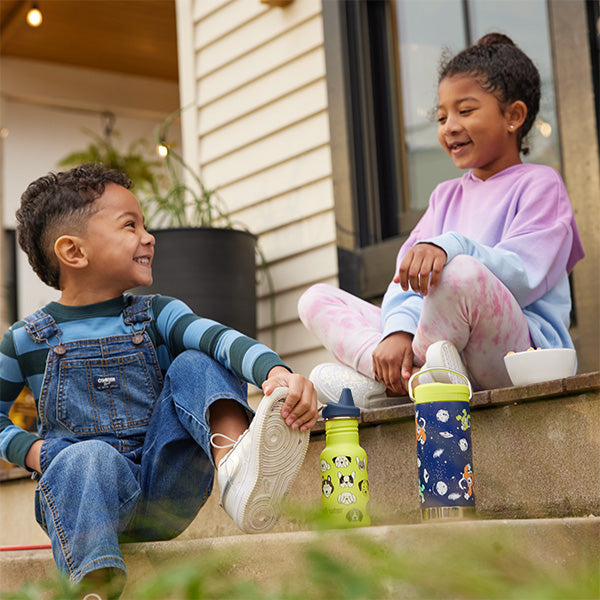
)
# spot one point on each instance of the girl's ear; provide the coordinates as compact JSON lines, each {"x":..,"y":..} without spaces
{"x":515,"y":115}
{"x":70,"y":252}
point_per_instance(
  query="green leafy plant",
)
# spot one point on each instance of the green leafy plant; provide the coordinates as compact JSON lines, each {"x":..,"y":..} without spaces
{"x":169,"y":190}
{"x":144,"y":172}
{"x":182,"y":204}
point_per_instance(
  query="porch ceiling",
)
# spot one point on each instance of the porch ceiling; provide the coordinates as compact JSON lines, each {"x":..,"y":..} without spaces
{"x":137,"y":37}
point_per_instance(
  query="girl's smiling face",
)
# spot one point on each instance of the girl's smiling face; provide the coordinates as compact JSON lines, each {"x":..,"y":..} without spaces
{"x":475,"y":129}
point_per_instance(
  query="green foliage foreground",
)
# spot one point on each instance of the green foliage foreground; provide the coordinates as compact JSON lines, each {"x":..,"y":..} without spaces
{"x":355,"y":565}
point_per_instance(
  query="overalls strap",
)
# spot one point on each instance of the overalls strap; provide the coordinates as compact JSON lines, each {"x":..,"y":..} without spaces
{"x":137,"y":309}
{"x":41,"y":326}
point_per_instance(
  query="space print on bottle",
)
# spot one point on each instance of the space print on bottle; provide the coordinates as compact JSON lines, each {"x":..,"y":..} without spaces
{"x":444,"y":455}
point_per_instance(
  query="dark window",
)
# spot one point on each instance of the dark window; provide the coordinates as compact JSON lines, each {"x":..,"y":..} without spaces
{"x":593,"y":8}
{"x":10,"y":274}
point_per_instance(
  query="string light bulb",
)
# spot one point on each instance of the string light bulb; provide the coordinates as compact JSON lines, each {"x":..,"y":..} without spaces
{"x":162,"y":150}
{"x":544,"y":128}
{"x":34,"y":16}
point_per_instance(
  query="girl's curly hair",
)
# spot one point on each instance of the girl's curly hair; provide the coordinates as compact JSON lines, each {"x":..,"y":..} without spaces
{"x":58,"y":204}
{"x":503,"y":69}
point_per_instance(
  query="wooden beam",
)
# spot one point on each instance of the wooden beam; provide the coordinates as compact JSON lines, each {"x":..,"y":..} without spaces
{"x":15,"y":19}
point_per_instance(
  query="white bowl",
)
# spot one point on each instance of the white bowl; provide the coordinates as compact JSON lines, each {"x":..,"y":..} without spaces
{"x":535,"y":366}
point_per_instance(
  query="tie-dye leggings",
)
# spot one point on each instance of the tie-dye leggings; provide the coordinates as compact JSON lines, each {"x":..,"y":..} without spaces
{"x":469,"y":307}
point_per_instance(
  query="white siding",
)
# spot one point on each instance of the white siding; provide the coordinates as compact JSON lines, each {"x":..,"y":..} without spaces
{"x":260,"y":134}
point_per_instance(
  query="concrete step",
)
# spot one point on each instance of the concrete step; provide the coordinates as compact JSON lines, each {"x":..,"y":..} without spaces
{"x":535,"y":455}
{"x":542,"y":558}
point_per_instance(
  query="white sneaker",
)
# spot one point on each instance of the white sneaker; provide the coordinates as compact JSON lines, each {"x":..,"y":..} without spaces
{"x":330,"y":379}
{"x":443,"y":355}
{"x":257,"y":472}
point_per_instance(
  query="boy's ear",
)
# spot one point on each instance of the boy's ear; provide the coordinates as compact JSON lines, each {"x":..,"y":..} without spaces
{"x":515,"y":114}
{"x":70,"y":252}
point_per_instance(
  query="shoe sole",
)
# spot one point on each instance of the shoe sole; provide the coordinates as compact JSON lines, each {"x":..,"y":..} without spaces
{"x":281,"y":455}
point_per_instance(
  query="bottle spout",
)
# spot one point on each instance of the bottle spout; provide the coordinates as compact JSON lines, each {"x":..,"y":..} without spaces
{"x":344,"y":407}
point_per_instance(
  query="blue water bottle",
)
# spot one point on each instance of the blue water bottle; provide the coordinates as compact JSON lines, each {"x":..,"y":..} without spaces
{"x":444,"y":453}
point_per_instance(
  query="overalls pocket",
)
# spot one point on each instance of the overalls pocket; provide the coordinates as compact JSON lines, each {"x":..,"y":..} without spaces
{"x":105,"y":394}
{"x":39,"y":513}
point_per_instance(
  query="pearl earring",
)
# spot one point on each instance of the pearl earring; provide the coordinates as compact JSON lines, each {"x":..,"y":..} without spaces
{"x":511,"y":127}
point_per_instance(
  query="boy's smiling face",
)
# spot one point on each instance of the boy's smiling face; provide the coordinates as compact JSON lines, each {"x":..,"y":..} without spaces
{"x":119,"y":249}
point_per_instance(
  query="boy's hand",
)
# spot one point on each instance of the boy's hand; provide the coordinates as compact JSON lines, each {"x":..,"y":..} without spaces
{"x":393,"y":361}
{"x":421,"y":268}
{"x":300,"y":407}
{"x":32,"y":459}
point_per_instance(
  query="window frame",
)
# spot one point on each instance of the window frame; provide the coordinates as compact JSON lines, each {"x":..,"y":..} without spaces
{"x":368,"y":151}
{"x":593,"y":14}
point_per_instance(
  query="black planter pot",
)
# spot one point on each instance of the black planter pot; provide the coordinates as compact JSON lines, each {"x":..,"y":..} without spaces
{"x":212,"y":270}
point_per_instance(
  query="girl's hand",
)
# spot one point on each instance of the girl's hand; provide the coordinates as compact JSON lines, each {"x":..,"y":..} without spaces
{"x":421,"y":268}
{"x":300,"y":407}
{"x":393,"y":361}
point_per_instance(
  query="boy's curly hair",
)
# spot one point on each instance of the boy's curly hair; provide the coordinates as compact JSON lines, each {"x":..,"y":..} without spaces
{"x":503,"y":69}
{"x":59,"y":204}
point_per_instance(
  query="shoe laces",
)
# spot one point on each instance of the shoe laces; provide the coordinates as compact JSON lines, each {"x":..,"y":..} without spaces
{"x":231,"y":442}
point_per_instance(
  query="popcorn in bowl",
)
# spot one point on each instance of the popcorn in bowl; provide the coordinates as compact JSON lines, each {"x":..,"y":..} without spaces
{"x":537,"y":365}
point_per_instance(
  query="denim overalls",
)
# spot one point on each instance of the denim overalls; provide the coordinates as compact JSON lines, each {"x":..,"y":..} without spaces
{"x":125,"y":457}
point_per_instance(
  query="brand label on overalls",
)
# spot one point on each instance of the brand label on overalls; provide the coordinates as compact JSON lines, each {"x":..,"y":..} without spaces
{"x":108,"y":382}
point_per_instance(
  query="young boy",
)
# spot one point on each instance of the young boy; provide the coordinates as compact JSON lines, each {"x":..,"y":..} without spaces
{"x":138,"y":398}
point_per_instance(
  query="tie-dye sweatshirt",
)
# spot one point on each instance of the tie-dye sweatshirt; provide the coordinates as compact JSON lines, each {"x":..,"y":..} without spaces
{"x":173,"y":329}
{"x":520,"y":225}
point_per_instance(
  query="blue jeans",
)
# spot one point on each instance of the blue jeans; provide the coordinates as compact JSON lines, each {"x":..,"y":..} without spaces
{"x":140,"y":476}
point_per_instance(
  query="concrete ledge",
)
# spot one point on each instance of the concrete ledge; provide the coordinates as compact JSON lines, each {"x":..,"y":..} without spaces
{"x":559,"y":388}
{"x":535,"y":455}
{"x":564,"y":546}
{"x":533,"y":458}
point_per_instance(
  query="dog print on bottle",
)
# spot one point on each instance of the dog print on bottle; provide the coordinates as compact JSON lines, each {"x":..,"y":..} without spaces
{"x":345,"y":487}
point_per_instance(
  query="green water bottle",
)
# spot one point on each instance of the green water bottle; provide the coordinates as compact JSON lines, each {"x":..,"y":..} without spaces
{"x":344,"y":481}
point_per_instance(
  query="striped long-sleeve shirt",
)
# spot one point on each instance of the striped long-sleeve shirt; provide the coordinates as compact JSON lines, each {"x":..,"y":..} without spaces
{"x":174,"y":328}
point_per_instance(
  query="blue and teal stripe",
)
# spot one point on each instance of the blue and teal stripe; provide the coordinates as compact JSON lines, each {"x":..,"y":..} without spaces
{"x":174,"y":328}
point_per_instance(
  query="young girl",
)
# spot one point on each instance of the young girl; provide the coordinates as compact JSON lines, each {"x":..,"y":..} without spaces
{"x":485,"y":271}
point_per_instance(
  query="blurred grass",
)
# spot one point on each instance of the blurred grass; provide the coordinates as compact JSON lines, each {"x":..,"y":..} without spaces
{"x":353,"y":566}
